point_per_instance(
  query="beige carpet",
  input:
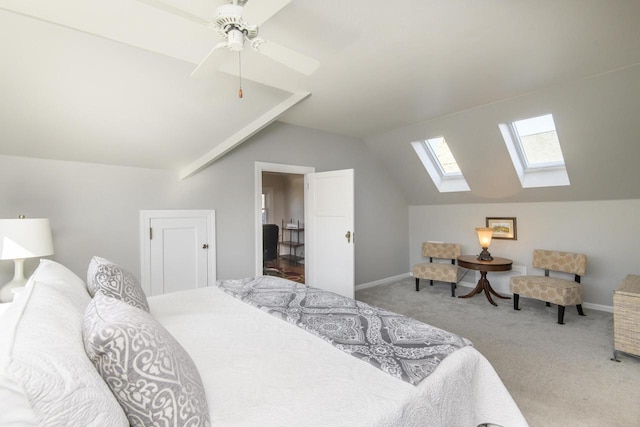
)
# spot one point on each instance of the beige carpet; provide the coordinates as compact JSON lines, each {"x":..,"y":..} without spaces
{"x":559,"y":375}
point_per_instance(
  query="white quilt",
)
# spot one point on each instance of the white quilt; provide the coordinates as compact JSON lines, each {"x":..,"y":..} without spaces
{"x":312,"y":383}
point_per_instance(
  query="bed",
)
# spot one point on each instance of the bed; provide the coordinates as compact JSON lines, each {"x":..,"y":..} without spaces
{"x":256,"y":368}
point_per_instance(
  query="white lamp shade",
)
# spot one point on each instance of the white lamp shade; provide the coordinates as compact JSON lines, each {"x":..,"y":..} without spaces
{"x":25,"y":238}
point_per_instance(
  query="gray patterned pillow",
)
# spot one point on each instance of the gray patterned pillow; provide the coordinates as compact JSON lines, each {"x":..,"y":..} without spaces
{"x":113,"y":280}
{"x":149,"y":372}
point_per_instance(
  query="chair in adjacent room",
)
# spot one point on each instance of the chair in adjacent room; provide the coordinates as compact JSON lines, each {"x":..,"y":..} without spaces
{"x":440,"y":271}
{"x":270,"y":233}
{"x":552,"y":290}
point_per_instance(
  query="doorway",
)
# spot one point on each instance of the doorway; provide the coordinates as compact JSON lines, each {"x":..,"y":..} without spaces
{"x":328,"y":226}
{"x":280,"y":201}
{"x":283,"y":216}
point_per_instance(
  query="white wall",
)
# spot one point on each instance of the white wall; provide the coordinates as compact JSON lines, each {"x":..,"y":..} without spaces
{"x":607,"y":231}
{"x":276,"y":184}
{"x":294,"y":196}
{"x":94,"y":209}
{"x":288,"y":202}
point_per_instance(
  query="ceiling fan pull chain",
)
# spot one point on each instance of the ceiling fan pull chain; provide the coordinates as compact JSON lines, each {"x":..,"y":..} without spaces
{"x":240,"y":75}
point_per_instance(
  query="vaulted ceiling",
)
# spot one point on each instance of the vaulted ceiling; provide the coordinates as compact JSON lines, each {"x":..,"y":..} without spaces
{"x":91,"y":80}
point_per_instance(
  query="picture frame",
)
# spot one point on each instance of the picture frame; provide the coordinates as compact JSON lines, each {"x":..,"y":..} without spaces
{"x":503,"y":227}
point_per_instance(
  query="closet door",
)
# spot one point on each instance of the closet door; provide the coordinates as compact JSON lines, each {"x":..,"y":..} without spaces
{"x":178,"y":250}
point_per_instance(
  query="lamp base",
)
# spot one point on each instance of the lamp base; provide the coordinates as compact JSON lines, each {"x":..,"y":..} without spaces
{"x":18,"y":281}
{"x":485,"y":255}
{"x":7,"y":291}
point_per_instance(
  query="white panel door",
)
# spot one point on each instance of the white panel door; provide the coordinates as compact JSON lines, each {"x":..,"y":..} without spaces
{"x":329,"y":244}
{"x":178,"y":250}
{"x":178,"y":254}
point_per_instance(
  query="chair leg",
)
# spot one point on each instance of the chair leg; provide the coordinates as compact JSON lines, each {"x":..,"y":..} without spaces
{"x":561,"y":314}
{"x":453,"y":290}
{"x":417,"y":284}
{"x":580,"y":312}
{"x":430,"y":282}
{"x":516,"y":300}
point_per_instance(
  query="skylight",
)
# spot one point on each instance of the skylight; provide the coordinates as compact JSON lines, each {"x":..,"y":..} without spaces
{"x":535,"y":151}
{"x":443,"y":157}
{"x":539,"y":142}
{"x":438,"y":160}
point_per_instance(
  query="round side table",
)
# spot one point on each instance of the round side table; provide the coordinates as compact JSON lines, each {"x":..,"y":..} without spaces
{"x":496,"y":264}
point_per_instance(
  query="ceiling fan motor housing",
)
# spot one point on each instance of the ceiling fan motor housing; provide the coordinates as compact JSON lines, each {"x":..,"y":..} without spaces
{"x":230,"y":25}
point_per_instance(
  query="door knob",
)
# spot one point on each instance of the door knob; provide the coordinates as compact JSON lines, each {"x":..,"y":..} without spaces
{"x":348,"y":236}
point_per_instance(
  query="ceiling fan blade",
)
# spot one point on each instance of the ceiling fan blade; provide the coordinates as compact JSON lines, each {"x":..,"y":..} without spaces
{"x":175,"y":11}
{"x":289,"y":57}
{"x":212,"y":62}
{"x":257,"y":12}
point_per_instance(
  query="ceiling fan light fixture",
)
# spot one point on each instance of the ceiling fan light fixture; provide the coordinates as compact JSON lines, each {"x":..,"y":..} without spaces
{"x":235,"y":40}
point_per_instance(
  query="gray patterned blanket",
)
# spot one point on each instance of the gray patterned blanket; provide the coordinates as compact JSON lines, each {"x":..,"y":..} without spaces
{"x":400,"y":346}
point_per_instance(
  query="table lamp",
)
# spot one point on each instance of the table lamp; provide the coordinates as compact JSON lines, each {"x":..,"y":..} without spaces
{"x":484,"y":237}
{"x":20,"y":239}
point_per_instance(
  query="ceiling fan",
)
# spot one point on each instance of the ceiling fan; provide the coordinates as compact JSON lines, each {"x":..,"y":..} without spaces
{"x":235,"y":31}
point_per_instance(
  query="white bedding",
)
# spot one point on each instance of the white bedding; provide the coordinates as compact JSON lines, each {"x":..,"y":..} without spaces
{"x":312,"y":383}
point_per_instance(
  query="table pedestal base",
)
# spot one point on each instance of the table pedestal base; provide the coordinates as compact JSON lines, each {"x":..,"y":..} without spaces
{"x":484,"y":285}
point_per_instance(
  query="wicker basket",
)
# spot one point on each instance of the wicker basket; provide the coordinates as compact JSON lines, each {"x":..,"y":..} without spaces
{"x":626,"y":316}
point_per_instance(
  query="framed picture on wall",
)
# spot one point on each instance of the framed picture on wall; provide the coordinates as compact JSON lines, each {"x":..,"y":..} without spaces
{"x":503,"y":227}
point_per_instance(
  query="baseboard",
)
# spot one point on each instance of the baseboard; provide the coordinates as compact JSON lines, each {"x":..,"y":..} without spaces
{"x":599,"y":307}
{"x":466,"y":284}
{"x":386,"y":281}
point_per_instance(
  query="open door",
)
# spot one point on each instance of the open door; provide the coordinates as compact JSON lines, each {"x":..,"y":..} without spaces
{"x":329,"y":228}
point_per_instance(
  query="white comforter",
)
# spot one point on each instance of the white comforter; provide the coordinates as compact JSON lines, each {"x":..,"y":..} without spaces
{"x":255,"y":376}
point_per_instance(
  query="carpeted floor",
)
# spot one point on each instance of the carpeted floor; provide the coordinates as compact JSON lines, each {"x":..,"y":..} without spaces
{"x":559,"y":375}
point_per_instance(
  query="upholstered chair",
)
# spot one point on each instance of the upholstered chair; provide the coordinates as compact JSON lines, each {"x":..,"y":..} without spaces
{"x":552,"y":290}
{"x":438,"y":270}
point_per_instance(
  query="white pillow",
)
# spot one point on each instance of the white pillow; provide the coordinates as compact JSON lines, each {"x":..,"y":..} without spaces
{"x":42,"y":358}
{"x":113,"y":280}
{"x":15,"y":409}
{"x":149,"y":372}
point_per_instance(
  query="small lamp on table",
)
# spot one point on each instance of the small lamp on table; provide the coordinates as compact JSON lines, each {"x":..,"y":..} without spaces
{"x":484,"y":238}
{"x":20,"y":239}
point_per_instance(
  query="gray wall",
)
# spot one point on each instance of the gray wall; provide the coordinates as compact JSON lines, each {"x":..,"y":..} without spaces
{"x":607,"y":231}
{"x":94,"y":209}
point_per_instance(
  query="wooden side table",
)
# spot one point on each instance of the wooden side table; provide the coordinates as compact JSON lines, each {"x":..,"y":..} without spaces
{"x":626,"y":317}
{"x":496,"y":264}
